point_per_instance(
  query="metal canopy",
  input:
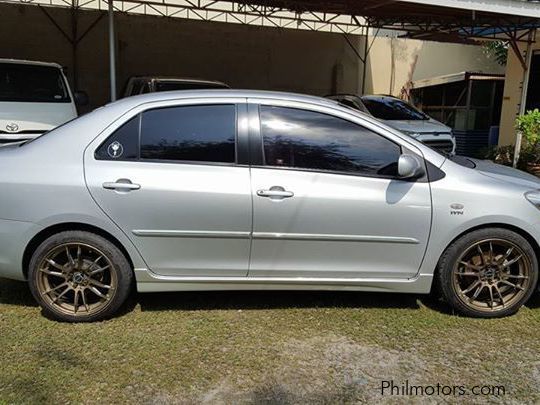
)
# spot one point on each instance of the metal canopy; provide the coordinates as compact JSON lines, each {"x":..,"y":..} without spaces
{"x":450,"y":20}
{"x":444,"y":20}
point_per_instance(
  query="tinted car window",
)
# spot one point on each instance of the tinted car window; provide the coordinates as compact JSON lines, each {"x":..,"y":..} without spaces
{"x":32,"y":83}
{"x":388,"y":108}
{"x":179,"y":85}
{"x":192,"y":133}
{"x":312,"y":140}
{"x":123,"y":144}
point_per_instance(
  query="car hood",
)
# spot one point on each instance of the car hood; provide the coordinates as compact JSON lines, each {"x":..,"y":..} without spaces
{"x":505,"y":173}
{"x":18,"y":117}
{"x":420,"y":126}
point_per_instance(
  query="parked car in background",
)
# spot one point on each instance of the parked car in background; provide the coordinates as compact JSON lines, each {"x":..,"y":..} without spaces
{"x":151,"y":84}
{"x":350,"y":100}
{"x":404,"y":117}
{"x":236,"y":190}
{"x":35,"y":97}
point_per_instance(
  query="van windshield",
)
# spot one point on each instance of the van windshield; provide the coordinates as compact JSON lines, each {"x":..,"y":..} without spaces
{"x":20,"y":82}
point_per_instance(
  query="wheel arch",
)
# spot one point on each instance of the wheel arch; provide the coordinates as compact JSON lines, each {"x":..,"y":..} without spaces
{"x":516,"y":229}
{"x":69,"y":226}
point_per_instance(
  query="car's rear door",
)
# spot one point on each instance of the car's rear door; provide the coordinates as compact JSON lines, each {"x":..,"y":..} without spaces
{"x":183,"y":196}
{"x":327,"y":201}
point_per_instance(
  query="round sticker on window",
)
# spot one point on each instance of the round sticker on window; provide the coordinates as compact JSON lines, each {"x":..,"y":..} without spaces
{"x":115,"y":150}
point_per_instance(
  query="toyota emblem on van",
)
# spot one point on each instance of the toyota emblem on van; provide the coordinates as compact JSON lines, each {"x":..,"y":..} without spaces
{"x":12,"y":127}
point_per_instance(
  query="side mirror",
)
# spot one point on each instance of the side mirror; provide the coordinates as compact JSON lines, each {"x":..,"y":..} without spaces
{"x":81,"y":98}
{"x":409,"y":167}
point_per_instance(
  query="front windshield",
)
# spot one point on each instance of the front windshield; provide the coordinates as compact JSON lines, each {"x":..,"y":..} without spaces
{"x":393,"y":109}
{"x":21,"y":82}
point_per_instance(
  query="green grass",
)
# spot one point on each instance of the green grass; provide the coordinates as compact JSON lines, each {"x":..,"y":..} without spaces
{"x":262,"y":347}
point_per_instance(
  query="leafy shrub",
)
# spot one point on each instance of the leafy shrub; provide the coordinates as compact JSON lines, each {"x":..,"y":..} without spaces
{"x":529,"y":126}
{"x":529,"y":157}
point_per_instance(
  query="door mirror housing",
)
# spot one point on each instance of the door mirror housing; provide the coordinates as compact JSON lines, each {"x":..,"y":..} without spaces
{"x":81,"y":98}
{"x":410,"y":167}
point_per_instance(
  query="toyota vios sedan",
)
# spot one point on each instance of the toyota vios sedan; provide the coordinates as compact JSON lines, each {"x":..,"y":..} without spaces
{"x":236,"y":190}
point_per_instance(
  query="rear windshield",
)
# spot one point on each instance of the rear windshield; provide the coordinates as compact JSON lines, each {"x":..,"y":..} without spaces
{"x":392,"y":109}
{"x":32,"y":83}
{"x":170,"y":86}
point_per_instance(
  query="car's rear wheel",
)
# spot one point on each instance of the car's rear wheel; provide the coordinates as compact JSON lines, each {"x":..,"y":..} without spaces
{"x":488,"y":273}
{"x":79,"y":276}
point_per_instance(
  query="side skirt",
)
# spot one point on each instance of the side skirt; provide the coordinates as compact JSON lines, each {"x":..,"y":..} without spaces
{"x":151,"y":282}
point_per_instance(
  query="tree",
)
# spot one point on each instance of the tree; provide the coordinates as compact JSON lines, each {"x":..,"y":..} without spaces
{"x":497,"y":50}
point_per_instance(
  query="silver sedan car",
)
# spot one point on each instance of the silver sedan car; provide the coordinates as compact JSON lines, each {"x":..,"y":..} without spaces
{"x":236,"y":190}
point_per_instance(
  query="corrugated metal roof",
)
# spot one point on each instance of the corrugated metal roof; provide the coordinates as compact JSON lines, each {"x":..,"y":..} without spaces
{"x":524,"y":8}
{"x":442,"y":20}
{"x":455,"y":77}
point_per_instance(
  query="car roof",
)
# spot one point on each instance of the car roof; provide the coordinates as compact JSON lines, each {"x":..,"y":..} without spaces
{"x":30,"y":62}
{"x":221,"y":93}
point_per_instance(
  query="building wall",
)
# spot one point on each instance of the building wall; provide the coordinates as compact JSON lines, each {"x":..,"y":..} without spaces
{"x":512,"y":94}
{"x":391,"y":61}
{"x":242,"y":56}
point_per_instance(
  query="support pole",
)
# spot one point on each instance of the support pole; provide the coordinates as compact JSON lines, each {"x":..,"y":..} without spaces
{"x":366,"y":54}
{"x":74,"y":35}
{"x":112,"y":52}
{"x":524,"y":91}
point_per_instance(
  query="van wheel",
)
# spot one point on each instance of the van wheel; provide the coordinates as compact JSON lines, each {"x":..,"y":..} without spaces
{"x":78,"y":276}
{"x":488,"y":273}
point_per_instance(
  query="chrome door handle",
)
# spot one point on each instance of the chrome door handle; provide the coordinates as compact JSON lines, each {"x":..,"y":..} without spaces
{"x":121,"y":185}
{"x":275,"y":192}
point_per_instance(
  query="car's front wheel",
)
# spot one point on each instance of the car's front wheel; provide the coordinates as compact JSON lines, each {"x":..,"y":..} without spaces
{"x":78,"y":276}
{"x":488,"y":273}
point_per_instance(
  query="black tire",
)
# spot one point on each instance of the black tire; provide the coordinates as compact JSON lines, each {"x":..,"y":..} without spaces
{"x":112,"y":268}
{"x":449,"y":275}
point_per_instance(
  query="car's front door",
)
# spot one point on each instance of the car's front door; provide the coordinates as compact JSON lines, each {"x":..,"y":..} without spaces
{"x":171,"y":178}
{"x":328,"y":203}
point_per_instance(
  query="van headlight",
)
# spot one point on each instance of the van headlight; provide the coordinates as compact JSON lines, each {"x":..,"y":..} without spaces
{"x":533,"y":197}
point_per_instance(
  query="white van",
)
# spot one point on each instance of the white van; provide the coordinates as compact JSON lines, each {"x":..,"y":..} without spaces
{"x":34,"y":98}
{"x":404,"y":117}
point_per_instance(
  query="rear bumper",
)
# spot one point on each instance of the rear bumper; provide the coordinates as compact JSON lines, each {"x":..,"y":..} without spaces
{"x":14,"y":237}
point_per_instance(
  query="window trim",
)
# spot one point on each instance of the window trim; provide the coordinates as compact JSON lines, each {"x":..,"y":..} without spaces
{"x":241,"y":158}
{"x":262,"y":157}
{"x":116,"y":129}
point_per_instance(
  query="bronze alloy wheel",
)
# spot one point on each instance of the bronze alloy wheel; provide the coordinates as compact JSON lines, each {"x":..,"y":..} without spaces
{"x":76,"y":279}
{"x":492,"y":275}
